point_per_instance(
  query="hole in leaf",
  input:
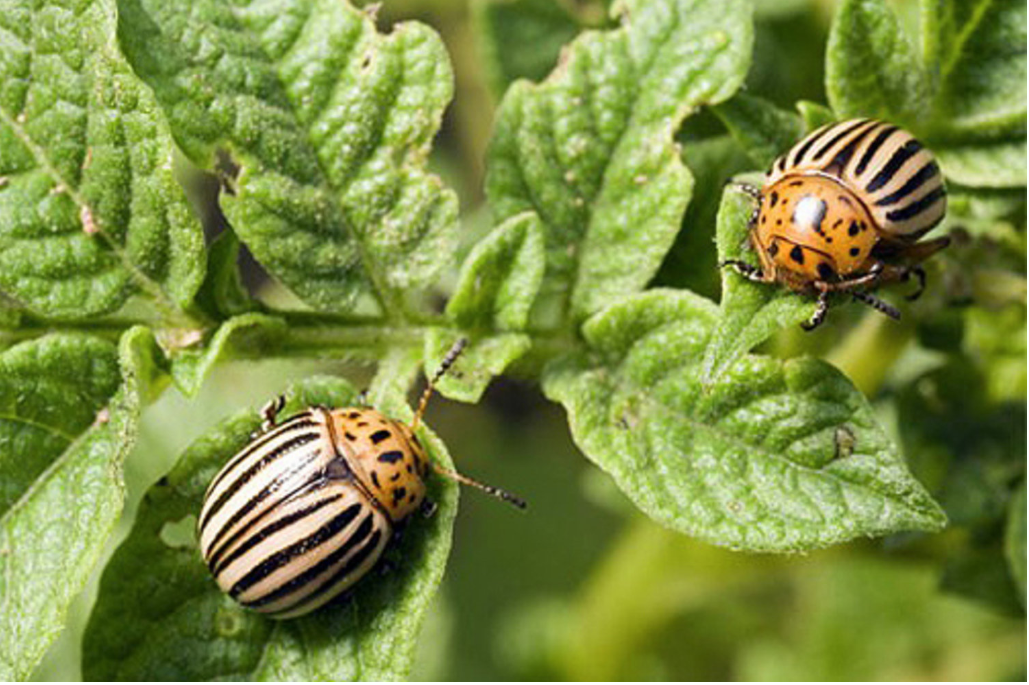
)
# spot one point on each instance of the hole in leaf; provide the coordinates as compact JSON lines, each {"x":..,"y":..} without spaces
{"x":181,"y":533}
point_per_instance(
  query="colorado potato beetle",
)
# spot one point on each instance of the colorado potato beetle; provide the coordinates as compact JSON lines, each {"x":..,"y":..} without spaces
{"x":843,"y":210}
{"x":308,"y":507}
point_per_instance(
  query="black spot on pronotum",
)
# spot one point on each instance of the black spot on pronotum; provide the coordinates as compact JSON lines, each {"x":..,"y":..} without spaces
{"x":825,"y":272}
{"x":379,"y":436}
{"x":773,"y":249}
{"x":399,"y":494}
{"x":350,"y":436}
{"x":853,"y":229}
{"x":375,"y":480}
{"x":354,"y":415}
{"x":391,"y":457}
{"x":773,"y":199}
{"x":854,"y":251}
{"x":797,"y":255}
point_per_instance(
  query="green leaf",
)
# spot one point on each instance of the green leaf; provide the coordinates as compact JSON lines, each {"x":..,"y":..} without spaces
{"x":1015,"y":540}
{"x":750,"y":312}
{"x":67,"y":426}
{"x":505,"y":29}
{"x":979,"y":68}
{"x":691,"y":262}
{"x":500,"y":278}
{"x":814,"y":115}
{"x":245,"y":332}
{"x":1000,"y":164}
{"x":481,"y":361}
{"x":222,"y":293}
{"x":89,"y":211}
{"x":591,"y":149}
{"x":763,"y":130}
{"x":330,"y":124}
{"x":871,"y":67}
{"x":771,"y":456}
{"x":159,"y":615}
{"x":495,"y":291}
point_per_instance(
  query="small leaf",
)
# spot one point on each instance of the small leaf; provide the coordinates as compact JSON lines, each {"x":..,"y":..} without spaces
{"x":222,"y":293}
{"x":89,"y":210}
{"x":67,"y":432}
{"x":771,"y":456}
{"x":248,"y":331}
{"x":1015,"y":540}
{"x":500,"y":278}
{"x":495,"y":291}
{"x":330,"y":124}
{"x":763,"y":130}
{"x":750,"y":312}
{"x":814,"y":115}
{"x":591,"y":149}
{"x":505,"y":28}
{"x":481,"y":361}
{"x":871,"y":67}
{"x":160,"y":616}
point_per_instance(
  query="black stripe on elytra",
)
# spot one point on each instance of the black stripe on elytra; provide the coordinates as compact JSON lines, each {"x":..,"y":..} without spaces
{"x":873,"y":148}
{"x":218,"y":565}
{"x":220,"y":544}
{"x":264,"y":493}
{"x":838,"y":137}
{"x":927,"y":172}
{"x":352,"y":564}
{"x":301,"y":580}
{"x":254,"y":469}
{"x":278,"y":559}
{"x":842,"y":157}
{"x":298,"y":422}
{"x":890,"y":169}
{"x":806,"y":145}
{"x":916,"y":207}
{"x":379,"y":436}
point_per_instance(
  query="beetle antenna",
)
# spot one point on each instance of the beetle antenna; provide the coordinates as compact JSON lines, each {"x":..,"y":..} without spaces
{"x":504,"y":495}
{"x":444,"y":366}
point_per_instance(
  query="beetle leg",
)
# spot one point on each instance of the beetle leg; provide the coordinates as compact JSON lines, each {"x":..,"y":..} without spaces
{"x":748,"y":271}
{"x":877,"y":304}
{"x":819,"y":316}
{"x":919,"y":273}
{"x":271,"y":410}
{"x":746,"y":188}
{"x":428,"y":508}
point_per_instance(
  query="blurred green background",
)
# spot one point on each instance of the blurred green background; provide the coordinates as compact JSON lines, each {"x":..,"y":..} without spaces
{"x":583,"y":587}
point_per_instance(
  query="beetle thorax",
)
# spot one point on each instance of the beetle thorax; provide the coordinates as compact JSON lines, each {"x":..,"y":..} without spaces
{"x":810,"y":227}
{"x":384,"y":457}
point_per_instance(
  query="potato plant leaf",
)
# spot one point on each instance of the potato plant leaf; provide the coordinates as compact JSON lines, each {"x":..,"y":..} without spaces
{"x":89,"y":211}
{"x":770,"y":456}
{"x":750,"y":312}
{"x":872,"y":69}
{"x":329,"y":123}
{"x":70,"y":416}
{"x":495,"y":291}
{"x":591,"y":149}
{"x":160,"y":616}
{"x":504,"y":29}
{"x":763,"y":130}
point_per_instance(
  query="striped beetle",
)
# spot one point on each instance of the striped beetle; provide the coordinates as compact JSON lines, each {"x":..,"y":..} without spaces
{"x":306,"y":509}
{"x":842,"y":211}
